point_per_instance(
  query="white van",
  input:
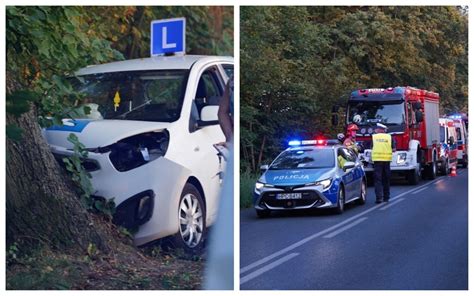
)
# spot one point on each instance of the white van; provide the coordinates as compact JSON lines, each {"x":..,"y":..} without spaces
{"x":150,"y":137}
{"x":461,"y":142}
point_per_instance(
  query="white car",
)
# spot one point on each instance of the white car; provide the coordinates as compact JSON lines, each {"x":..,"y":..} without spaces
{"x":150,"y":136}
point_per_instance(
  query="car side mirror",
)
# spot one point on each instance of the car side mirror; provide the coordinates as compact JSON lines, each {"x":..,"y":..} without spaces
{"x":418,"y":116}
{"x":348,"y":165}
{"x":264,"y":167}
{"x":209,"y":116}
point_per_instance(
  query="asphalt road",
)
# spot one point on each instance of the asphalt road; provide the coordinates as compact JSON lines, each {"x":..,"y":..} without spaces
{"x":418,"y":241}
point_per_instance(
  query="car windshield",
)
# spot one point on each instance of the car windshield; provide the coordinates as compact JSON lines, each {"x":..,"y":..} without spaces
{"x":368,"y":113}
{"x":305,"y":158}
{"x":134,"y":95}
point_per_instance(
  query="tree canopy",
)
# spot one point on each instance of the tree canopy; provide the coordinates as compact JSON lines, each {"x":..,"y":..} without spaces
{"x":297,"y":62}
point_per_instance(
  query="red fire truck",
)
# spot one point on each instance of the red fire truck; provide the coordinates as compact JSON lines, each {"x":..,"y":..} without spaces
{"x":411,"y":116}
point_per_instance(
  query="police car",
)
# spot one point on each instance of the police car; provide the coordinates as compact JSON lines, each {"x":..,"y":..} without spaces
{"x":150,"y":137}
{"x":310,"y":174}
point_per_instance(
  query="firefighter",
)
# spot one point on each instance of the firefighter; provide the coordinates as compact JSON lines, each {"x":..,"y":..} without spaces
{"x":350,"y":141}
{"x":383,"y":146}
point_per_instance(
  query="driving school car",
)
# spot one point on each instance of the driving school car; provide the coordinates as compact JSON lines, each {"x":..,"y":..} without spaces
{"x":150,"y":136}
{"x":310,"y":174}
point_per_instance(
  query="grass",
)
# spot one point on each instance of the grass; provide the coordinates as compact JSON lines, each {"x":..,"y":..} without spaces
{"x":247,"y":185}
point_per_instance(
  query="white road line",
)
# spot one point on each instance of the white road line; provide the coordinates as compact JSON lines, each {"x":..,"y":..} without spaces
{"x":316,"y":235}
{"x":419,"y":190}
{"x":438,"y":181}
{"x":266,"y":268}
{"x":392,"y":204}
{"x":333,"y":234}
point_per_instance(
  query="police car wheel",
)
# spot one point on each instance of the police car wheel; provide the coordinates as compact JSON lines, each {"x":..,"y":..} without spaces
{"x":262,"y":213}
{"x":341,"y":199}
{"x":363,"y":193}
{"x":191,"y":221}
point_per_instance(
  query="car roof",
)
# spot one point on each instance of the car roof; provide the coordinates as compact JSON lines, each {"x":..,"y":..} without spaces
{"x":153,"y":63}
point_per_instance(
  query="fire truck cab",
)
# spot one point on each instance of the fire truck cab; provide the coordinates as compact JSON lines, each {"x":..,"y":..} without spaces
{"x":411,"y":116}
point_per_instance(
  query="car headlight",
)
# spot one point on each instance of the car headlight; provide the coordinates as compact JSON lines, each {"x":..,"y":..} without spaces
{"x":325,"y":183}
{"x":401,"y":158}
{"x":137,"y":150}
{"x":260,"y":185}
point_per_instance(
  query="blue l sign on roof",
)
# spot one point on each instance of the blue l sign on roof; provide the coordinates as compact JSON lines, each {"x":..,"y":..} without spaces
{"x":168,"y":36}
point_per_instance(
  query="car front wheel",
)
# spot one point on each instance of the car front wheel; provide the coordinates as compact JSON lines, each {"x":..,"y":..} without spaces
{"x":363,"y":193}
{"x":192,"y":222}
{"x":340,"y":201}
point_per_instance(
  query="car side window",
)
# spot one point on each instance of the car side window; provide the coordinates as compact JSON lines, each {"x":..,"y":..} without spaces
{"x":229,"y":69}
{"x":209,"y":92}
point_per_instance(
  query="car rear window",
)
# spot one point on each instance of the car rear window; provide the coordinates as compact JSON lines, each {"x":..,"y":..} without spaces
{"x":305,"y":158}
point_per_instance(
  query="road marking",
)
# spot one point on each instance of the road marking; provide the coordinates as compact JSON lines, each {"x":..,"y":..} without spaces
{"x":333,"y":234}
{"x":266,"y":268}
{"x":438,"y":181}
{"x":392,"y":204}
{"x":322,"y":232}
{"x":419,"y":190}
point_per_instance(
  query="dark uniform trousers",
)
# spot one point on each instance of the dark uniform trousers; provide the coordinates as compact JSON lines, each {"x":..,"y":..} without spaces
{"x":382,"y":180}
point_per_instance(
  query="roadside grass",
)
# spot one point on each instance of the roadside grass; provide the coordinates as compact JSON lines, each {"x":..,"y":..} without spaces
{"x":247,"y":184}
{"x":126,"y":268}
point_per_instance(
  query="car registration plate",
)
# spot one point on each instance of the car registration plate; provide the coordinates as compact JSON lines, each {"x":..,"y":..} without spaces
{"x":288,"y":196}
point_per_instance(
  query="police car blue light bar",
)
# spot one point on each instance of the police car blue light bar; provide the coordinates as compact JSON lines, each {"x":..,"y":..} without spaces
{"x":294,"y":143}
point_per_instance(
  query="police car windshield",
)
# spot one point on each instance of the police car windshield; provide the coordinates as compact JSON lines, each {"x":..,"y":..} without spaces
{"x":305,"y":158}
{"x":134,"y":95}
{"x":369,"y":113}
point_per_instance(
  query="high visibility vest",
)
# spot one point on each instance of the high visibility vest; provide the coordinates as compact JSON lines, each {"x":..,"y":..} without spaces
{"x":382,"y":147}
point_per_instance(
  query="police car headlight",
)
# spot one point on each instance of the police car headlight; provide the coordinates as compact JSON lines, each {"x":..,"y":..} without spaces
{"x":260,"y":185}
{"x":401,"y":158}
{"x":325,"y":183}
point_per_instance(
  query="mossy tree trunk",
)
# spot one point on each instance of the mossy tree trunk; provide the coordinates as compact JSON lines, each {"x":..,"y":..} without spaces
{"x":41,"y":203}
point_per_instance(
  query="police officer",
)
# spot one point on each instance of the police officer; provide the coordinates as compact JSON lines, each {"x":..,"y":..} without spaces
{"x":383,"y":146}
{"x":350,"y":141}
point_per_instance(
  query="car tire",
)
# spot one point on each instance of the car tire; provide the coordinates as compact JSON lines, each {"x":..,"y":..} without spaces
{"x":263,"y":213}
{"x":430,"y":170}
{"x":444,"y":170}
{"x":341,"y":200}
{"x":464,"y":162}
{"x":363,"y":193}
{"x":191,"y":221}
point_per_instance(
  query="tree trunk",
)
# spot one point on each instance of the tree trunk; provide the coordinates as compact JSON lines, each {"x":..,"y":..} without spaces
{"x":41,"y":204}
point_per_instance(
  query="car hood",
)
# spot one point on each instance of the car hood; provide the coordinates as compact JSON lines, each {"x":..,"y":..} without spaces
{"x":297,"y":176}
{"x":98,"y":133}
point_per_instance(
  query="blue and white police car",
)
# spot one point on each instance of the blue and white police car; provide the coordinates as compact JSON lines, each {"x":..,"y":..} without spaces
{"x":310,"y":174}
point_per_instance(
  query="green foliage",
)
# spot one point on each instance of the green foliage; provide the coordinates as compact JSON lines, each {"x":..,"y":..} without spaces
{"x":247,"y":185}
{"x":82,"y":178}
{"x":298,"y":62}
{"x":13,"y":253}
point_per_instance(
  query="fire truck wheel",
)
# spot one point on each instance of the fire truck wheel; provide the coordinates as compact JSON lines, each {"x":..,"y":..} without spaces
{"x":414,"y":177}
{"x":431,"y":170}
